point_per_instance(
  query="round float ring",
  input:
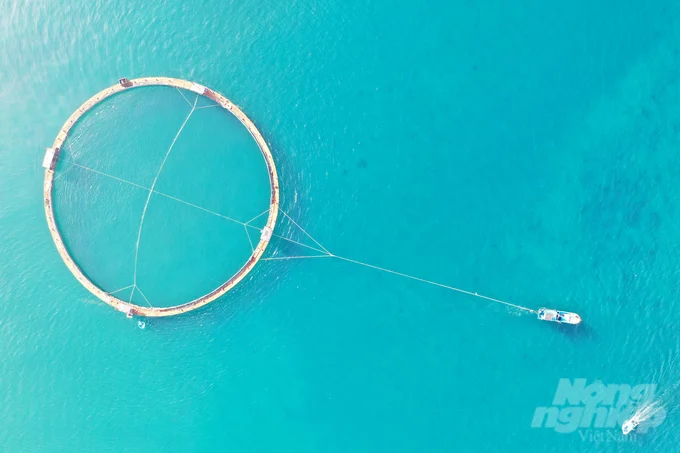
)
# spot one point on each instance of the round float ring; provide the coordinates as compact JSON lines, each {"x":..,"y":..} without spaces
{"x":50,"y":162}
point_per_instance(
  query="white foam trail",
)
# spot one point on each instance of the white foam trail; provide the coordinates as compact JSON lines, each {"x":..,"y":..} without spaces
{"x":647,"y":411}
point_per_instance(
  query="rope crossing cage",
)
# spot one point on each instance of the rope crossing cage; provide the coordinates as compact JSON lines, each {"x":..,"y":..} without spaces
{"x":52,"y":157}
{"x":266,"y":232}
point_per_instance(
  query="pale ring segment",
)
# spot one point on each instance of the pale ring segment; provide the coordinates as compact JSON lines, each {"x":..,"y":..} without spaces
{"x":127,"y":307}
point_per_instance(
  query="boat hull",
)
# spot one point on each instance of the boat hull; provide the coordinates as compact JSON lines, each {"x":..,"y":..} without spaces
{"x":558,"y":316}
{"x":629,"y":425}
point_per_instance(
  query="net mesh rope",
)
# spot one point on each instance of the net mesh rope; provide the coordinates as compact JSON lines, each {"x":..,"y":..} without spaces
{"x":318,"y":251}
{"x":249,"y":227}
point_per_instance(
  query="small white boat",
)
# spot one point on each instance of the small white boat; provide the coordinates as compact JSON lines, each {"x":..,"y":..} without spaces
{"x":562,"y":317}
{"x":630,"y":424}
{"x":645,"y":412}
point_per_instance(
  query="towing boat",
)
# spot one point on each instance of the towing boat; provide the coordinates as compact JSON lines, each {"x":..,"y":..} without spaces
{"x":558,"y":316}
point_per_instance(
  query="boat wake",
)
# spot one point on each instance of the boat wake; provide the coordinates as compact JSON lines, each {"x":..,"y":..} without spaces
{"x":652,"y":412}
{"x":647,"y":411}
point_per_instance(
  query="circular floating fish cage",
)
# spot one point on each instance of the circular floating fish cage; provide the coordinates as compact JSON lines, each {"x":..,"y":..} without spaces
{"x":128,"y":307}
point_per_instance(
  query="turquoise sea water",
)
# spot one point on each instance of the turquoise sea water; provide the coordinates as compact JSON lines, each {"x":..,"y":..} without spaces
{"x":524,"y":150}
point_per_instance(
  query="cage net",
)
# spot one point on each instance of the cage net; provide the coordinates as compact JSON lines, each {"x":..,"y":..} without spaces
{"x":160,"y":195}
